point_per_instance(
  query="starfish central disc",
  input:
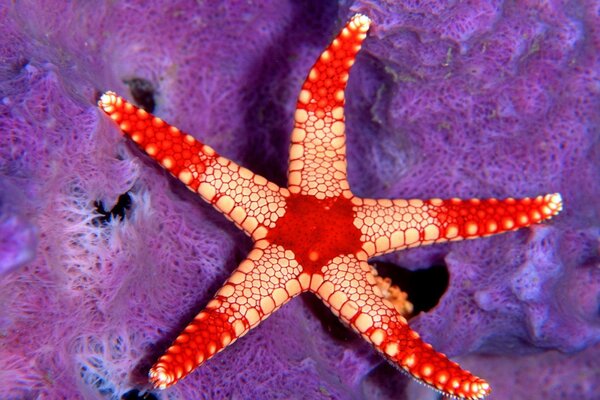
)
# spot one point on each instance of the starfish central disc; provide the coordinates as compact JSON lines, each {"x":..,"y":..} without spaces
{"x":316,"y":230}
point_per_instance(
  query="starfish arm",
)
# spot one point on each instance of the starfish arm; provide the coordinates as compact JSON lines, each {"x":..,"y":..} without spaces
{"x":390,"y":225}
{"x":349,"y":289}
{"x":318,"y":148}
{"x":262,"y":283}
{"x":242,"y":196}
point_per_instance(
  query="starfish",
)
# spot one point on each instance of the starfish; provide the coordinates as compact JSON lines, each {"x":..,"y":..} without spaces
{"x":315,"y":235}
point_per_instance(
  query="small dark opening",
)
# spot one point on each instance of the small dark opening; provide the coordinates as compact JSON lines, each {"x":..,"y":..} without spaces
{"x":424,"y":288}
{"x":118,"y":211}
{"x":142,"y":92}
{"x":135,"y":394}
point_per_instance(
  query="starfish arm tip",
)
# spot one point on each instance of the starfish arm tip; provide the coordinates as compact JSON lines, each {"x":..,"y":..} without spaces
{"x":159,"y":378}
{"x":361,"y":21}
{"x":107,"y":101}
{"x":555,"y":202}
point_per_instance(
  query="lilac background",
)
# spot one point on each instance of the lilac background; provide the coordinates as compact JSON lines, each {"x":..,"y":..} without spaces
{"x":461,"y":99}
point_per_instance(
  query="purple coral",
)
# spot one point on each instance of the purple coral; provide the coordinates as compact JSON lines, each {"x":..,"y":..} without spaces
{"x":474,"y":99}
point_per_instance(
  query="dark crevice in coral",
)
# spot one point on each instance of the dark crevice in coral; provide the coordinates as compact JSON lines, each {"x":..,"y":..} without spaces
{"x":119,"y":210}
{"x":135,"y":394}
{"x":142,"y":92}
{"x":424,"y":287}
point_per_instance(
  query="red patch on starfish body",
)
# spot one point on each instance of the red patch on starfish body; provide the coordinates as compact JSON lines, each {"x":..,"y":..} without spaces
{"x":316,"y":230}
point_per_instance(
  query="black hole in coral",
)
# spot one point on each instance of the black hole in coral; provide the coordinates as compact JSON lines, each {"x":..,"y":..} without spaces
{"x":142,"y":92}
{"x":424,"y":287}
{"x":119,"y":210}
{"x":135,"y":394}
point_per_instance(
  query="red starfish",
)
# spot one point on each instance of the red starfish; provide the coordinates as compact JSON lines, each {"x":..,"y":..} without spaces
{"x":316,"y":235}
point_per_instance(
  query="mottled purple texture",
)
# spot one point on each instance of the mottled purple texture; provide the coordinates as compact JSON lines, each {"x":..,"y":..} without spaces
{"x":462,"y":99}
{"x":18,"y":236}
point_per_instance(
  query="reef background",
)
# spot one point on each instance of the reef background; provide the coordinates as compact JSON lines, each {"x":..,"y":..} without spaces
{"x":454,"y":99}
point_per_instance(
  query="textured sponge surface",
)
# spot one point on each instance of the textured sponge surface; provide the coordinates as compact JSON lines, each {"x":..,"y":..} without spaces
{"x":476,"y":99}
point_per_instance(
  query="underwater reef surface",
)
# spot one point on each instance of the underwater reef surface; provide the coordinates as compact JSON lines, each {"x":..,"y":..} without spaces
{"x":104,"y":258}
